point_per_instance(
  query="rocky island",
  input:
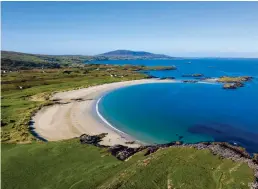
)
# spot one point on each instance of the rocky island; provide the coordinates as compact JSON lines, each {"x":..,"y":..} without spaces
{"x":233,"y":82}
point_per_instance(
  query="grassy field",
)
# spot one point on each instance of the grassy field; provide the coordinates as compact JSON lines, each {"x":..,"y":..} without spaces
{"x":69,"y":164}
{"x":16,"y":60}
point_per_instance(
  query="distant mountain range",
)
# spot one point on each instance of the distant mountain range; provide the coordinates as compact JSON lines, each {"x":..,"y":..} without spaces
{"x":128,"y":54}
{"x":18,"y":60}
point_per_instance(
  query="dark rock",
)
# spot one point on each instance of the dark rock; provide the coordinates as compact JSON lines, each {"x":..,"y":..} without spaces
{"x":3,"y":123}
{"x":123,"y":152}
{"x":123,"y":155}
{"x":246,"y":78}
{"x":151,"y":150}
{"x":255,"y":158}
{"x":239,"y":84}
{"x":67,"y":71}
{"x":129,"y":142}
{"x":162,"y":78}
{"x":233,"y":85}
{"x":78,"y":99}
{"x":94,"y":139}
{"x":116,"y":148}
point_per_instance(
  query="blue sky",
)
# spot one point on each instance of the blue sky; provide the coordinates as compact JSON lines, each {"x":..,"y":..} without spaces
{"x":224,"y":29}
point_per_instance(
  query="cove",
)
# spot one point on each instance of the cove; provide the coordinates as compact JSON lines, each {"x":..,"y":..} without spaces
{"x":192,"y":113}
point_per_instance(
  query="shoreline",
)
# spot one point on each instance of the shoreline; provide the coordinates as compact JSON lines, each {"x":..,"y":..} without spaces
{"x":73,"y":115}
{"x":77,"y":113}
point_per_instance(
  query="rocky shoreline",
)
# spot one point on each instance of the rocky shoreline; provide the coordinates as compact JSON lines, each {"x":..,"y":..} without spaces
{"x":222,"y":149}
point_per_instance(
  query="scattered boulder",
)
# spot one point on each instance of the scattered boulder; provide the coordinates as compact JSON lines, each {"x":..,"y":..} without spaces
{"x":94,"y":139}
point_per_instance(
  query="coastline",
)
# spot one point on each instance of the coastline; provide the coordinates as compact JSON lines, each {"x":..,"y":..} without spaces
{"x":73,"y":115}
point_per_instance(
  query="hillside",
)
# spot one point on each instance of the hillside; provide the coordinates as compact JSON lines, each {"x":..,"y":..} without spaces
{"x":123,"y":54}
{"x":11,"y":60}
{"x":69,"y":164}
{"x":17,"y":60}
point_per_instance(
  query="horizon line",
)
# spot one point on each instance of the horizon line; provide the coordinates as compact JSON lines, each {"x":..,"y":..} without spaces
{"x":133,"y":51}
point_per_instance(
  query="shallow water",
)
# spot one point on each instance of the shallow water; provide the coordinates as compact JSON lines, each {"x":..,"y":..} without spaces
{"x":158,"y":113}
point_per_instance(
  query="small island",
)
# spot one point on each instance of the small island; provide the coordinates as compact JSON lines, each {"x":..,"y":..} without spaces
{"x":233,"y":82}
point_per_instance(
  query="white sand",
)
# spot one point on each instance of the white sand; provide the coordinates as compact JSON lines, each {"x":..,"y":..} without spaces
{"x":64,"y":121}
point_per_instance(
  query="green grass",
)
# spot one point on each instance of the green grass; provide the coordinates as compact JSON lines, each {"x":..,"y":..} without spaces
{"x":15,"y":60}
{"x":69,"y":164}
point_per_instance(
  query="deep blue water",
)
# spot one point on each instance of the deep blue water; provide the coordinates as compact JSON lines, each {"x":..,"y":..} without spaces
{"x":159,"y":113}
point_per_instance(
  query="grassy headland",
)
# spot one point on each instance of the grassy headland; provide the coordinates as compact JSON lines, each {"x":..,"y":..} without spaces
{"x":69,"y":164}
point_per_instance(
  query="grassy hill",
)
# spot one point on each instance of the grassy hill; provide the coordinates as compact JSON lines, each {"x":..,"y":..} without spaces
{"x":71,"y":165}
{"x":17,"y":60}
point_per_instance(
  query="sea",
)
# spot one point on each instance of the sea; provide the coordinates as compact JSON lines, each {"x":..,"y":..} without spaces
{"x":188,"y":112}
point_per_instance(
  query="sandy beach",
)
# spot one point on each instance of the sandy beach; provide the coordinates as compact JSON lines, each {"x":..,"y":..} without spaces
{"x":76,"y":117}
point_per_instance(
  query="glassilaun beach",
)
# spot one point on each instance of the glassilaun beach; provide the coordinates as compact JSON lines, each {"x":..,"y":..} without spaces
{"x":182,"y":112}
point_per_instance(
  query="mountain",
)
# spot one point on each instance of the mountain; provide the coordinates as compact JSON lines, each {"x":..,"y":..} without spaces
{"x":127,"y":54}
{"x":16,"y":60}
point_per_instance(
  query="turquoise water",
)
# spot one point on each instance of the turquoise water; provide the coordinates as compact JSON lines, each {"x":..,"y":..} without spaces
{"x":159,"y":113}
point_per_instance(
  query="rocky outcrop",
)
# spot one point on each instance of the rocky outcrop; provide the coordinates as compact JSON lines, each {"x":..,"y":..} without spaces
{"x":227,"y":79}
{"x":94,"y":139}
{"x":123,"y":152}
{"x":233,"y":85}
{"x":255,"y":158}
